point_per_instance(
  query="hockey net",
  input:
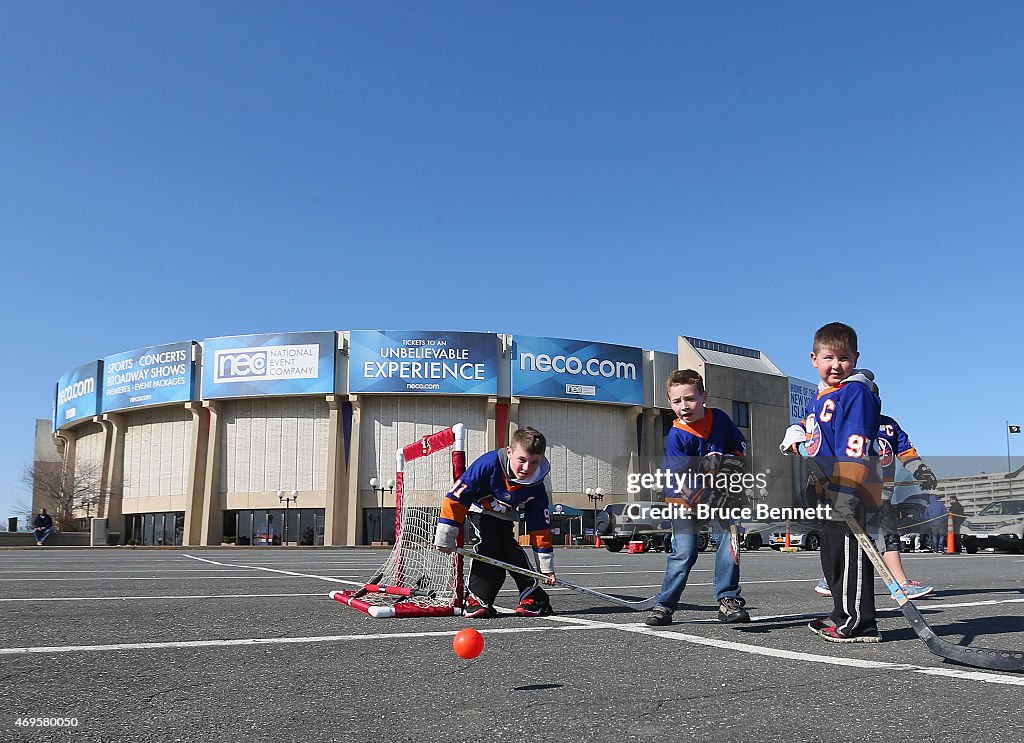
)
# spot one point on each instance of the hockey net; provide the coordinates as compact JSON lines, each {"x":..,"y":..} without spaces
{"x":417,"y":580}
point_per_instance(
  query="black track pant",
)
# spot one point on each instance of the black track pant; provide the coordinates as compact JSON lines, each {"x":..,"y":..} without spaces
{"x":497,"y":540}
{"x":851,"y":578}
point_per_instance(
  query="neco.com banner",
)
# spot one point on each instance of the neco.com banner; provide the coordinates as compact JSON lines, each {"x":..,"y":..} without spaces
{"x":77,"y":394}
{"x":577,"y":370}
{"x":423,"y":362}
{"x":269,"y":364}
{"x":148,"y":376}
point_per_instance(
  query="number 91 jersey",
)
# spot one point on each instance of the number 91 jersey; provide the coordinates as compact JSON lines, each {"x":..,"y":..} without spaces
{"x":842,"y":423}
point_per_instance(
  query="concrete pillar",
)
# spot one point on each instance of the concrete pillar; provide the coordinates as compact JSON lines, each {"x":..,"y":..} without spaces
{"x":513,"y":417}
{"x":492,"y":431}
{"x":112,"y":490}
{"x":632,"y":414}
{"x":195,"y":491}
{"x":211,"y":527}
{"x":649,"y":449}
{"x":66,"y":440}
{"x":336,"y":515}
{"x":344,"y":524}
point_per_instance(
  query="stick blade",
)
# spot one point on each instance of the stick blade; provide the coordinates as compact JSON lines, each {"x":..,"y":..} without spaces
{"x":993,"y":660}
{"x":975,"y":657}
{"x":645,"y":605}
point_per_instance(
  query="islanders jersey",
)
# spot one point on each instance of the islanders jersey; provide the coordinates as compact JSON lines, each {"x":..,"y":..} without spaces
{"x":687,"y":445}
{"x":841,"y":424}
{"x":487,"y":486}
{"x":892,"y":444}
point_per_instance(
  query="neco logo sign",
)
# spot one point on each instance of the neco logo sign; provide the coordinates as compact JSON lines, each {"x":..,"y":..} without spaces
{"x":606,"y":368}
{"x":235,"y":364}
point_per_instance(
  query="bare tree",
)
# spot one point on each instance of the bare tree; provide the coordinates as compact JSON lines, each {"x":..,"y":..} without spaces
{"x":66,"y":496}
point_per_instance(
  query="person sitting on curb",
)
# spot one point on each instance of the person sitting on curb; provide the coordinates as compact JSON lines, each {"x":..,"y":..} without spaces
{"x":42,"y":524}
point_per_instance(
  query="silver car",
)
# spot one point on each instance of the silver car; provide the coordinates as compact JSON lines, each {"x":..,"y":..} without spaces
{"x":999,"y":524}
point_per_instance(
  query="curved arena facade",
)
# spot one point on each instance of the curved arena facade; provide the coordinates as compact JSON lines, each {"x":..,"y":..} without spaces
{"x":273,"y":439}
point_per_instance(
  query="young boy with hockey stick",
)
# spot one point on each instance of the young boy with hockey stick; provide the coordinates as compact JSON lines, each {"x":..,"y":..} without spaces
{"x":841,"y":425}
{"x":892,"y":444}
{"x":706,"y":443}
{"x":491,"y":491}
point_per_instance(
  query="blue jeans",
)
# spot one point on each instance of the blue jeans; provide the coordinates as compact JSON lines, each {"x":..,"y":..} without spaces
{"x":42,"y":535}
{"x":683,"y":557}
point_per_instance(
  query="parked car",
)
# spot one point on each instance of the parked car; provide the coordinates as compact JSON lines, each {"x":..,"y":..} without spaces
{"x":617,"y":527}
{"x":752,"y":537}
{"x":799,"y":536}
{"x":999,"y":524}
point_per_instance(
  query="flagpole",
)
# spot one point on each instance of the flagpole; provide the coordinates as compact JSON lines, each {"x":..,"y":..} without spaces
{"x":1009,"y":467}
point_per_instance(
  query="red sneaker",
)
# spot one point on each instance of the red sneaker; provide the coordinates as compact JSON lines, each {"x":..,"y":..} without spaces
{"x":529,"y":607}
{"x":475,"y":610}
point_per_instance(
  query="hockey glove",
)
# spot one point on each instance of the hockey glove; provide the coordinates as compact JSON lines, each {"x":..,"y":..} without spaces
{"x":843,"y":504}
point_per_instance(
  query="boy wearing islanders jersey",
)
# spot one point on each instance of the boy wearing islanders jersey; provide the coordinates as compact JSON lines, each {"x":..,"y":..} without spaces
{"x":892,"y":444}
{"x":491,"y":492}
{"x":841,"y":425}
{"x":702,"y":442}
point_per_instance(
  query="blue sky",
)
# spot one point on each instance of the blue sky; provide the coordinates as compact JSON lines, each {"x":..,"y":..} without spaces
{"x":624,"y":172}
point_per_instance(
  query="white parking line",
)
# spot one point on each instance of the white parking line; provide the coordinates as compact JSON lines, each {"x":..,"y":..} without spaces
{"x":159,"y":598}
{"x":567,"y":623}
{"x":276,"y":640}
{"x":193,"y":577}
{"x":283,"y":572}
{"x":992,"y":678}
{"x":103,"y":572}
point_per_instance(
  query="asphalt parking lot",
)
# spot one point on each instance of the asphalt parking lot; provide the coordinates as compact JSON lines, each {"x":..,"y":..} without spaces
{"x":203,"y":645}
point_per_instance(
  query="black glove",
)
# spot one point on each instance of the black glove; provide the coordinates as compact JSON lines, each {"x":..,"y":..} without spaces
{"x":732,"y":466}
{"x":719,"y":498}
{"x":926,"y":477}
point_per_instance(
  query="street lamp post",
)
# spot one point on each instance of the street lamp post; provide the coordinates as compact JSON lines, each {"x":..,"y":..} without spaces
{"x":596,"y":495}
{"x":375,"y":484}
{"x":287,"y":500}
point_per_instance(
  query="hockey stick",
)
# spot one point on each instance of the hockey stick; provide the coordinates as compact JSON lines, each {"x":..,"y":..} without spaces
{"x":644,"y":605}
{"x":734,"y":540}
{"x":996,"y":660}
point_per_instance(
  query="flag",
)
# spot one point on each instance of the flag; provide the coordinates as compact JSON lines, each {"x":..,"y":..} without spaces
{"x":1014,"y":429}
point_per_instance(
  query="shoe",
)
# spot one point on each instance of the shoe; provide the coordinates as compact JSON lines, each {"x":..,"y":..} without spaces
{"x":475,"y":610}
{"x":730,"y":610}
{"x":822,"y":588}
{"x":817,"y":625}
{"x":39,"y":544}
{"x":915,"y":590}
{"x":530,"y":607}
{"x":832,"y":634}
{"x":660,"y":617}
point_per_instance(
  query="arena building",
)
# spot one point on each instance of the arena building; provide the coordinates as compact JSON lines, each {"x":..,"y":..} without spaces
{"x":274,"y":438}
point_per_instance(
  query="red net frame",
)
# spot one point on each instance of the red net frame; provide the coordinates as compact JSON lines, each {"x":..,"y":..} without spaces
{"x":416,"y":580}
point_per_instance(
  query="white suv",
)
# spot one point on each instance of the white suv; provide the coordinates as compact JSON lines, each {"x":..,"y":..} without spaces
{"x":999,"y":524}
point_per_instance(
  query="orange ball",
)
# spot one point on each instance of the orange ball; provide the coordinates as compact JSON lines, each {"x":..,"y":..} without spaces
{"x":468,"y":643}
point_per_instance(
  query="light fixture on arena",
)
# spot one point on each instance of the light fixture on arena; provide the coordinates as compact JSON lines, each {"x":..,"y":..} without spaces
{"x":287,"y":500}
{"x":596,"y":495}
{"x":390,"y":487}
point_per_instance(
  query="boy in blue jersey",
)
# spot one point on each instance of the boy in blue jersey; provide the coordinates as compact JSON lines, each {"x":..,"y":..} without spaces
{"x":491,"y":491}
{"x":841,"y":425}
{"x":893,"y":444}
{"x":702,"y":444}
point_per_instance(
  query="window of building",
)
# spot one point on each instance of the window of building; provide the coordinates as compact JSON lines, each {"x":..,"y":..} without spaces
{"x":267,"y":527}
{"x":155,"y":529}
{"x":741,"y":414}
